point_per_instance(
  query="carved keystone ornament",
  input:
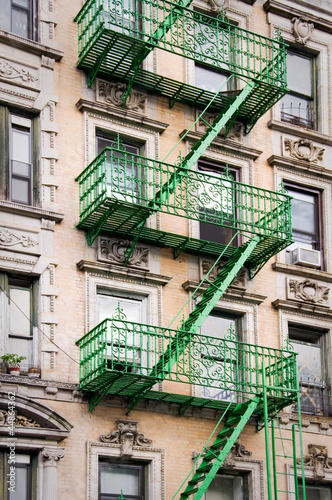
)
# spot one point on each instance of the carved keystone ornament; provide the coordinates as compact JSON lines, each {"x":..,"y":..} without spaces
{"x":318,"y":459}
{"x":302,"y":29}
{"x":127,"y":436}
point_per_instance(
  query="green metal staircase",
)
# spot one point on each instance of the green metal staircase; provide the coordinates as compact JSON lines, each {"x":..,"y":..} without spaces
{"x":218,"y":451}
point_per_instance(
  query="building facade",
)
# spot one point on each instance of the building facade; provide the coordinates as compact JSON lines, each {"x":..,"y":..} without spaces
{"x":165,"y":249}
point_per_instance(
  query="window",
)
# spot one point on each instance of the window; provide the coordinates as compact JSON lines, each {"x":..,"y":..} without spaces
{"x":19,"y":317}
{"x":124,"y":180}
{"x":19,"y":17}
{"x":306,"y":208}
{"x":126,"y":348}
{"x":298,"y":106}
{"x":121,"y":479}
{"x":219,"y":360}
{"x":232,"y":486}
{"x":19,"y":161}
{"x":218,"y":200}
{"x":310,"y":346}
{"x":25,"y":475}
{"x":317,"y":492}
{"x":122,"y":15}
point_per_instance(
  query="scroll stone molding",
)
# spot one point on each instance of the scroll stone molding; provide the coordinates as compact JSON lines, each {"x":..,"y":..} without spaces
{"x":9,"y":71}
{"x":239,"y":281}
{"x":307,"y":291}
{"x":126,"y":436}
{"x":304,"y":149}
{"x":238,"y":450}
{"x":51,"y":456}
{"x":113,"y":250}
{"x":302,"y":29}
{"x":318,"y":459}
{"x":217,"y":5}
{"x":112,"y":93}
{"x":10,"y":238}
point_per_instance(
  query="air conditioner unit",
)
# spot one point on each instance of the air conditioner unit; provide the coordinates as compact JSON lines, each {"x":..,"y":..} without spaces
{"x":302,"y":256}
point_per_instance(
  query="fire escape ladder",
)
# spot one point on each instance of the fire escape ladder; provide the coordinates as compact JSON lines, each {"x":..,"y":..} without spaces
{"x":218,"y":451}
{"x":196,"y":318}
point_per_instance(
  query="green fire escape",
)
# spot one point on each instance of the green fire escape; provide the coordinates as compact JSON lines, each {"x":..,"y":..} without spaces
{"x":120,"y":190}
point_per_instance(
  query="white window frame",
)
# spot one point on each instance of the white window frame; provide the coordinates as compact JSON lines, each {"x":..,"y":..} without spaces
{"x":153,"y":457}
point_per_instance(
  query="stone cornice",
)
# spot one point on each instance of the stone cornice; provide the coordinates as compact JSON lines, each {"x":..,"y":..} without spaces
{"x":300,"y":132}
{"x":226,"y":145}
{"x":284,"y":9}
{"x":124,"y":114}
{"x":30,"y":46}
{"x":232,"y":293}
{"x":303,"y":166}
{"x":314,"y":309}
{"x":117,"y":270}
{"x":28,"y":211}
{"x":303,"y":272}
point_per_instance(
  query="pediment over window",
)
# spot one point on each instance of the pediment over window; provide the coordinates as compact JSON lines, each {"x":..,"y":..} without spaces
{"x":32,"y":419}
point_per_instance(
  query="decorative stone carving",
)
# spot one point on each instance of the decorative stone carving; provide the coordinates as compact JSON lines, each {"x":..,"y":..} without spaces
{"x":11,"y":72}
{"x":238,"y":450}
{"x":52,"y":456}
{"x":127,"y":436}
{"x":217,"y":5}
{"x":114,"y":251}
{"x":234,"y":134}
{"x":238,"y":282}
{"x":318,"y":459}
{"x":303,"y":149}
{"x":309,"y":291}
{"x":9,"y":238}
{"x":113,"y":94}
{"x":20,"y":420}
{"x":302,"y":29}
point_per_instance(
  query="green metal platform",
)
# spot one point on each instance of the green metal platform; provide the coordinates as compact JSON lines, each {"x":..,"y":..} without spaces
{"x":114,"y":39}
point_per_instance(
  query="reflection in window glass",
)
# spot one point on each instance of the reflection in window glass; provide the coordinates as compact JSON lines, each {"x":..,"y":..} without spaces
{"x":226,"y":487}
{"x":315,"y":492}
{"x":305,"y":222}
{"x":116,"y":480}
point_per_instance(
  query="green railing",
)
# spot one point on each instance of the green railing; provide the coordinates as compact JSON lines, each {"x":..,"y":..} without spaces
{"x":211,"y":41}
{"x":125,"y":179}
{"x":221,"y":367}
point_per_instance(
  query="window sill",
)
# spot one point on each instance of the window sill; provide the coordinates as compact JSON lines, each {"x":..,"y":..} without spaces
{"x":313,"y":135}
{"x":304,"y":272}
{"x":29,"y":211}
{"x":30,"y":46}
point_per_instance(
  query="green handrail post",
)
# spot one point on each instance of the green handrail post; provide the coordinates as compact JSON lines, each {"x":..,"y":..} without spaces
{"x":266,"y":432}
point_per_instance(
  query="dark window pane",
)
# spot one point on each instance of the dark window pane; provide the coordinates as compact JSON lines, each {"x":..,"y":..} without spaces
{"x":225,"y":487}
{"x":305,"y":224}
{"x":5,"y":17}
{"x":316,"y":493}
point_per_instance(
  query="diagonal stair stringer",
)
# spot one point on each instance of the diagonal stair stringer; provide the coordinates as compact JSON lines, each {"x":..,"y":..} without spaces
{"x":216,"y":454}
{"x":196,"y":318}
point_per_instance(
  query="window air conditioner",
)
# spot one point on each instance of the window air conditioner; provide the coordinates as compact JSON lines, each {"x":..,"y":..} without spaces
{"x":302,"y":256}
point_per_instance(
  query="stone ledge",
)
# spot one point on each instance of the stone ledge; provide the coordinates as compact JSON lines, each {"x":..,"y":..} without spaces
{"x":304,"y":272}
{"x":29,"y":45}
{"x":29,"y":211}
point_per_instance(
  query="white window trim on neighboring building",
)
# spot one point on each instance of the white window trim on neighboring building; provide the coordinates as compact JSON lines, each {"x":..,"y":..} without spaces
{"x":153,"y":457}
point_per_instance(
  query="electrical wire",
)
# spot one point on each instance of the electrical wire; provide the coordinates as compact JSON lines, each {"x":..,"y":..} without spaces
{"x":36,"y":326}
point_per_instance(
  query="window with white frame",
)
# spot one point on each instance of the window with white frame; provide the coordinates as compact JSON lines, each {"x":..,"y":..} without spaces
{"x":124,"y":177}
{"x":19,"y":17}
{"x":316,"y":492}
{"x":121,"y":480}
{"x":217,"y":197}
{"x":19,"y":164}
{"x":126,"y":345}
{"x":310,"y":344}
{"x":19,"y":307}
{"x":228,"y":486}
{"x":219,"y":356}
{"x":298,"y":106}
{"x":25,"y":476}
